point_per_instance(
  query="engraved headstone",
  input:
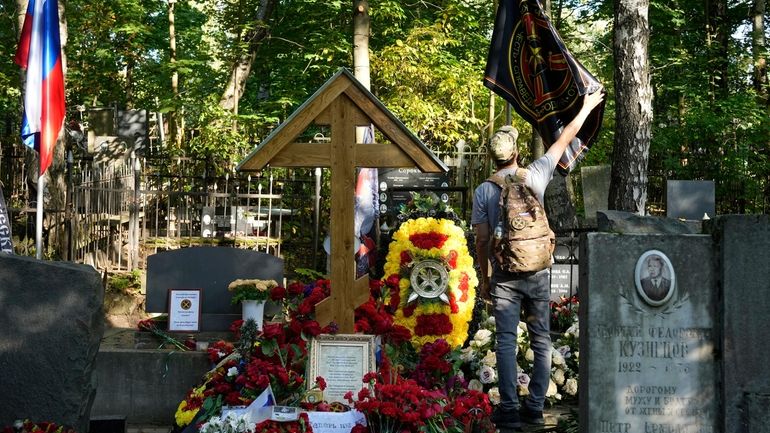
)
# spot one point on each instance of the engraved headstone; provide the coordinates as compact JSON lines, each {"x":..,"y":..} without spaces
{"x":596,"y":190}
{"x":210,"y":269}
{"x":648,"y":334}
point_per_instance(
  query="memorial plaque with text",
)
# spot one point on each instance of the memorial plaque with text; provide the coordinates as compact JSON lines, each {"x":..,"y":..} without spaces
{"x":342,"y":360}
{"x":647,"y":365}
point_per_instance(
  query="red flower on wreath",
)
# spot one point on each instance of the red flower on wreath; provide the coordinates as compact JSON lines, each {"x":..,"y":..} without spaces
{"x":451,"y":259}
{"x":428,"y":240}
{"x":433,"y":324}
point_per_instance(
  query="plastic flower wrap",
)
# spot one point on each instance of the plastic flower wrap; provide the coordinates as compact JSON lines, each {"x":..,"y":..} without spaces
{"x":432,"y":280}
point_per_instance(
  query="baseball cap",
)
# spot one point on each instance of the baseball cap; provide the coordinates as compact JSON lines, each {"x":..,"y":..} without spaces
{"x":502,"y":145}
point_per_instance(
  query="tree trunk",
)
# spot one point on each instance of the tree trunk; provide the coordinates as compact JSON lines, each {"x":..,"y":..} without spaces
{"x":760,"y":76}
{"x":361,"y":26}
{"x":176,"y":128}
{"x":633,"y":112}
{"x":241,"y":68}
{"x":758,"y":46}
{"x":361,"y":42}
{"x":717,"y":40}
{"x":559,"y":206}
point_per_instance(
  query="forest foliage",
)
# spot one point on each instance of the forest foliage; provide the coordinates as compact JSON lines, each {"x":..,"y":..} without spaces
{"x":427,"y":61}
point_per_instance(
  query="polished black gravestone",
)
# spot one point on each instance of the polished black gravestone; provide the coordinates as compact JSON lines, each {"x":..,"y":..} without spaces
{"x":210,"y":269}
{"x":690,"y":199}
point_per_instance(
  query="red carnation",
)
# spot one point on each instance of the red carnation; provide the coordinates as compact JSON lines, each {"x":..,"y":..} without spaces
{"x":321,"y":382}
{"x":429,"y":240}
{"x":406,"y":257}
{"x":296,"y":288}
{"x":452,"y":259}
{"x":277,"y":293}
{"x":272,"y":330}
{"x":433,"y":324}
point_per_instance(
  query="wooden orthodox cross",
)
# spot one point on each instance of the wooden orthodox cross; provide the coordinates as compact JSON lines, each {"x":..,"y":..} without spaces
{"x":343,"y":104}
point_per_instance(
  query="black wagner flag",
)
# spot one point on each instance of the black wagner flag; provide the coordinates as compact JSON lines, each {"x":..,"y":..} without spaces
{"x":530,"y":67}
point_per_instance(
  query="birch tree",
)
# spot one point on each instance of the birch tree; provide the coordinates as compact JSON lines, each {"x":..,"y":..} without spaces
{"x":633,"y":113}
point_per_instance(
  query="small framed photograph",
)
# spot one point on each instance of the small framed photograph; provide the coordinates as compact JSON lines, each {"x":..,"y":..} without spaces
{"x":655,"y":278}
{"x":184,"y":310}
{"x":342,"y":360}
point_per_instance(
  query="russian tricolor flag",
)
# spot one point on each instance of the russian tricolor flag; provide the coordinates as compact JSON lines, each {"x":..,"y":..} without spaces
{"x":39,"y":53}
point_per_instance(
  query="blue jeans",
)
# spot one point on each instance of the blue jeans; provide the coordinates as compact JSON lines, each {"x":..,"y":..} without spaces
{"x":511,"y":293}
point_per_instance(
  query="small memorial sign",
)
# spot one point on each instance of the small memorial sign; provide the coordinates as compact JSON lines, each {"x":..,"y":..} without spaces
{"x":564,"y":281}
{"x":342,"y":360}
{"x":184,"y":309}
{"x":335,"y":422}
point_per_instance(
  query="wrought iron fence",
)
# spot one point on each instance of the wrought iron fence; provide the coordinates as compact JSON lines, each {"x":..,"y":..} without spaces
{"x":124,"y":210}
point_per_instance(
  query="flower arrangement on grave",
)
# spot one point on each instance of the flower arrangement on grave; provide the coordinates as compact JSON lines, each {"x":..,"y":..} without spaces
{"x":28,"y":426}
{"x":481,"y":362}
{"x":153,"y":326}
{"x":431,"y":280}
{"x":411,"y":406}
{"x":231,"y":423}
{"x":564,"y":313}
{"x":251,"y":290}
{"x":276,"y":356}
{"x":414,"y":390}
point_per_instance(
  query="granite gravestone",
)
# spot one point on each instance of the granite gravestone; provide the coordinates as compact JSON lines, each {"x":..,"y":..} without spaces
{"x":596,"y":190}
{"x":647,"y":360}
{"x":51,"y":325}
{"x":743,"y":261}
{"x":690,"y":199}
{"x":210,"y":269}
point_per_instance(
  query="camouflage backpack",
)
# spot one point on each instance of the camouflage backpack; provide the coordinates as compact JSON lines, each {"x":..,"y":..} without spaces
{"x":526,"y":242}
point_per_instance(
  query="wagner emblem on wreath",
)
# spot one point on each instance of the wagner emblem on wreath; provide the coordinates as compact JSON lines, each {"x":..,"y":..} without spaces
{"x":186,"y":304}
{"x":429,"y":280}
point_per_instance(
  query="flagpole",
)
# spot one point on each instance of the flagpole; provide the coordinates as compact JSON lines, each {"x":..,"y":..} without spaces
{"x":39,"y":218}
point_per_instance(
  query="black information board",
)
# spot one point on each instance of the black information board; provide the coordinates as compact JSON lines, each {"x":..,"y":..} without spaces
{"x":396,"y":184}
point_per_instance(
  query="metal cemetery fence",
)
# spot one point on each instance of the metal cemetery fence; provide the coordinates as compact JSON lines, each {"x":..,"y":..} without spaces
{"x":122,"y":210}
{"x":131,"y":209}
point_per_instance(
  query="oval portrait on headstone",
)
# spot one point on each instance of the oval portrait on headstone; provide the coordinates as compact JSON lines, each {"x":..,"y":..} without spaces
{"x":655,"y":278}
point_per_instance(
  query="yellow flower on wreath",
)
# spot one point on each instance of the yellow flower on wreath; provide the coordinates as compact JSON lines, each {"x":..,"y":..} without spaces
{"x":183,"y":415}
{"x":430,"y":319}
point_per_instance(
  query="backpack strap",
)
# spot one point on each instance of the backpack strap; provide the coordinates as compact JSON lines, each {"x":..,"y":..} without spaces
{"x":517,"y":178}
{"x":497,"y":180}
